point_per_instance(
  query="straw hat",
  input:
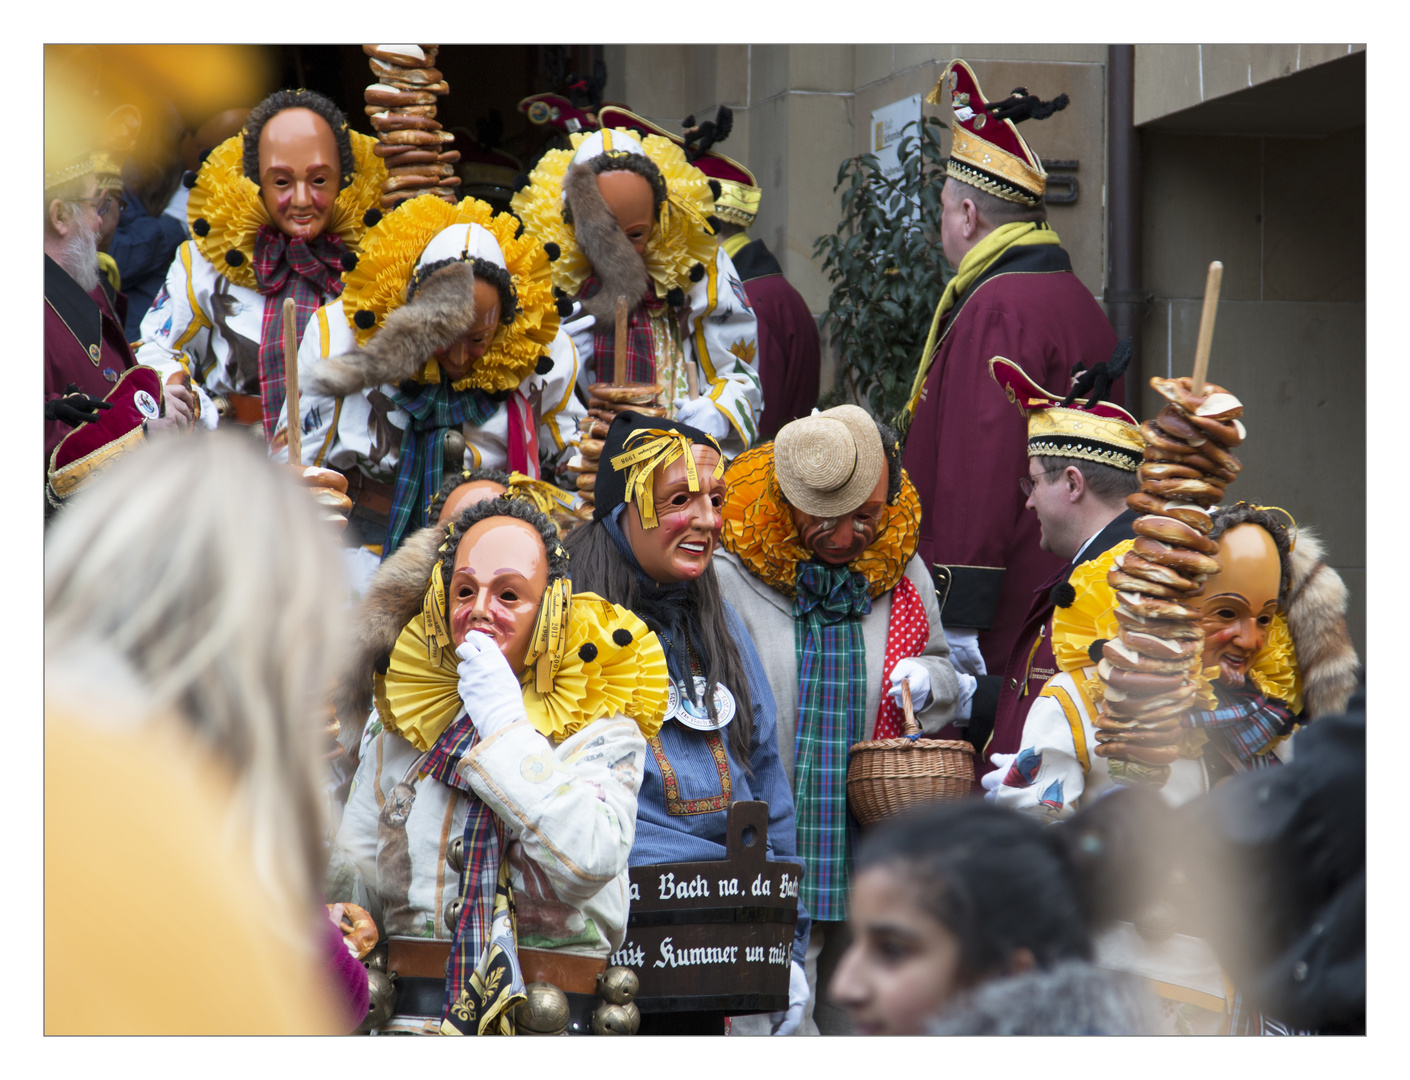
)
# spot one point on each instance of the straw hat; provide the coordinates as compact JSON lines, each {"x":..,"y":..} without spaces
{"x":827,"y":464}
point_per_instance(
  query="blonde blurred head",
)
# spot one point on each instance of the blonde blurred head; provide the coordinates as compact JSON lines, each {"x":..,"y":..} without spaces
{"x":201,"y":570}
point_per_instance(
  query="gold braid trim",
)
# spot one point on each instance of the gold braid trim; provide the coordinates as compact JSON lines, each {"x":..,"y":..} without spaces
{"x":389,"y":252}
{"x":759,"y":530}
{"x":681,"y":239}
{"x":231,"y":204}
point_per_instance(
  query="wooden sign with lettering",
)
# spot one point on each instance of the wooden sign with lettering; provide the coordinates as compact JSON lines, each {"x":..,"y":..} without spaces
{"x":715,"y":935}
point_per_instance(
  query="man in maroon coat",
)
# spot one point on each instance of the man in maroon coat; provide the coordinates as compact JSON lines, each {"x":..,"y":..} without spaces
{"x":790,"y":350}
{"x":1014,"y":294}
{"x":85,"y":349}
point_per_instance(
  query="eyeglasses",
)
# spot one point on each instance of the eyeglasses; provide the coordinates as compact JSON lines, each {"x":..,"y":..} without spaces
{"x":1028,"y":483}
{"x":104,"y":202}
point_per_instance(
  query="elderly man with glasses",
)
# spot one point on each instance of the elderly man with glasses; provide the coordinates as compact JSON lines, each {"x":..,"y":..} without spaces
{"x":85,"y":349}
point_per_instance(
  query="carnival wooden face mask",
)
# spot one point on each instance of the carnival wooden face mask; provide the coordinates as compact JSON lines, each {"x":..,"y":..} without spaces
{"x":630,"y":198}
{"x":841,"y":539}
{"x":467,"y":495}
{"x":501,"y":572}
{"x":688,"y":522}
{"x":459,"y":357}
{"x":298,"y":172}
{"x":1238,"y":604}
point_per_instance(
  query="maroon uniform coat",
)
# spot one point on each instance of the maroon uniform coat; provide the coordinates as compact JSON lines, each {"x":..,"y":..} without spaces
{"x":789,"y":347}
{"x":967,"y":446}
{"x":84,"y":344}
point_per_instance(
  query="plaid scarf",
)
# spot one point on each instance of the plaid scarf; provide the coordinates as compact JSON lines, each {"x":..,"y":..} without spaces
{"x":434,"y":408}
{"x":309,"y":272}
{"x":483,"y":982}
{"x":832,"y":694}
{"x":1245,"y":726}
{"x":641,"y":340}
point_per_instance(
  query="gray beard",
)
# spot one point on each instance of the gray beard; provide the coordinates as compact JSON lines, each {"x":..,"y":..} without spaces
{"x":80,"y":257}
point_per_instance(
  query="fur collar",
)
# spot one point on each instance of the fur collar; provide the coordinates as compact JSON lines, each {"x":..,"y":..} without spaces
{"x":1316,"y":611}
{"x":393,"y":598}
{"x":615,"y":262}
{"x":436,"y":317}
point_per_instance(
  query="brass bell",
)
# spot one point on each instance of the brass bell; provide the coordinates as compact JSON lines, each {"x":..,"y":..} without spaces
{"x":377,"y":958}
{"x":544,"y":1010}
{"x":616,"y":1019}
{"x":455,"y":854}
{"x":452,"y":914}
{"x":381,"y":999}
{"x":454,"y":447}
{"x":618,"y":985}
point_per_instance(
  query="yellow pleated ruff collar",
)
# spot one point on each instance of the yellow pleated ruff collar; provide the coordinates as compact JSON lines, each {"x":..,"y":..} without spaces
{"x":1091,"y":617}
{"x":589,"y":659}
{"x":681,"y":239}
{"x":759,"y":530}
{"x":388,"y":255}
{"x":225,"y":210}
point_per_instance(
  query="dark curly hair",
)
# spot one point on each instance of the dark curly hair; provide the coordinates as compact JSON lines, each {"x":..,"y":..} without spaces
{"x":620,"y":161}
{"x":504,"y":507}
{"x":315,"y":102}
{"x":1226,"y":517}
{"x":485,"y":270}
{"x":453,"y":481}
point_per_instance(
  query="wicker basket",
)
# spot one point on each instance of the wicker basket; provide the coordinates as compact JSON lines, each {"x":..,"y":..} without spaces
{"x":887,"y":776}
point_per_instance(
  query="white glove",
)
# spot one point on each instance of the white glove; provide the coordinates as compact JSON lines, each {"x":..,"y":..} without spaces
{"x":920,"y":682}
{"x":964,"y":651}
{"x":992,"y":781}
{"x":701,"y":413}
{"x":487,"y":681}
{"x":578,"y":326}
{"x":964,"y":706}
{"x":787,"y":1023}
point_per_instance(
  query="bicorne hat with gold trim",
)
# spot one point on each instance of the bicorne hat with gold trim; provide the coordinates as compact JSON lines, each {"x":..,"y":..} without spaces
{"x":90,"y":448}
{"x":986,"y":150}
{"x":1091,"y":429}
{"x":557,"y":112}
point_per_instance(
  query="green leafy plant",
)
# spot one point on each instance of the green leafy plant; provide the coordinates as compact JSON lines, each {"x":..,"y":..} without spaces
{"x":887,"y":271}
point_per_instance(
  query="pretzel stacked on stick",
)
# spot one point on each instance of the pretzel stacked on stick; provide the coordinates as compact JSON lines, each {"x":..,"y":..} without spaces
{"x":1147,"y":668}
{"x":605,"y":401}
{"x":401,"y":106}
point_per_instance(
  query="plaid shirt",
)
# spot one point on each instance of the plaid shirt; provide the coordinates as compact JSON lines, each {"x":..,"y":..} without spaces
{"x":832,"y":693}
{"x":1245,"y":725}
{"x":287,"y":267}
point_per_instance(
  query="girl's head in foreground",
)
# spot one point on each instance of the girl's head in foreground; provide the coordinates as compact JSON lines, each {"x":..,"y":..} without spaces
{"x":952,"y":895}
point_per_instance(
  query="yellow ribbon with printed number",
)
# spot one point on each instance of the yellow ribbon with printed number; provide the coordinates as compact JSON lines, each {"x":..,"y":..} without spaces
{"x":660,"y":449}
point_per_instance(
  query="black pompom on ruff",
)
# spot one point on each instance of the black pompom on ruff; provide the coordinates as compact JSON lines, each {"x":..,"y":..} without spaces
{"x":382,"y":663}
{"x":544,"y":366}
{"x":1094,"y":650}
{"x":587,"y":653}
{"x":676,"y":297}
{"x":364,"y":320}
{"x":558,"y":294}
{"x":1063,"y":594}
{"x":565,"y":307}
{"x":349,"y":261}
{"x":188,"y":180}
{"x":622,"y":637}
{"x":697,"y":272}
{"x":235,"y":257}
{"x":372,"y":217}
{"x":200,"y":226}
{"x":715,"y":189}
{"x":552,"y":250}
{"x":715,"y":223}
